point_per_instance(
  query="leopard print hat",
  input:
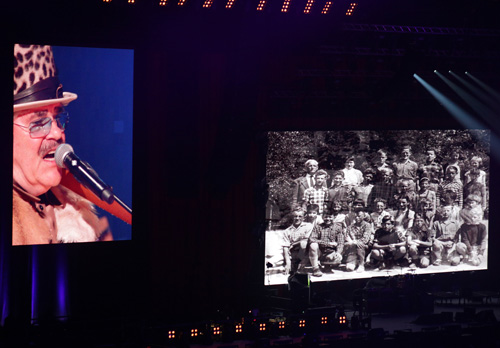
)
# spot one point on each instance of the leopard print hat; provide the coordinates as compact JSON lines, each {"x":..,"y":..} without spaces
{"x":35,"y":78}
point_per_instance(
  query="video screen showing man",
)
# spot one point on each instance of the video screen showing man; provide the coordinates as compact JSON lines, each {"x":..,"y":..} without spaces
{"x":45,"y":210}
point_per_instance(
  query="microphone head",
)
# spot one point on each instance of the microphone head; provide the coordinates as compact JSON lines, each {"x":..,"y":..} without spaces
{"x":61,"y":152}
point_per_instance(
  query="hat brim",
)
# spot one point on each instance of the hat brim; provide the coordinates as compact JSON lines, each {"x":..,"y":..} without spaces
{"x":65,"y":100}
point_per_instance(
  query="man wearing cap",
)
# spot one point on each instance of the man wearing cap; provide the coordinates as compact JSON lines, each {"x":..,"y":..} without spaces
{"x":43,"y":211}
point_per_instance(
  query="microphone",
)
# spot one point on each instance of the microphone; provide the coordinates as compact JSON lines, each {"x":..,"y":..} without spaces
{"x":65,"y":158}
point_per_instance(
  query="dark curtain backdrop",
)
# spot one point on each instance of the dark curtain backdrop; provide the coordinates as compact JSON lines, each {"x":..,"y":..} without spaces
{"x":202,"y":185}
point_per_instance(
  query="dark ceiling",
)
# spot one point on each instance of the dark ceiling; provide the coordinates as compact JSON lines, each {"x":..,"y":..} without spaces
{"x":306,"y":63}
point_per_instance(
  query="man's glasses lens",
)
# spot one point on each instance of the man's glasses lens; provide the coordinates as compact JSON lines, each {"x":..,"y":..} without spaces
{"x":41,"y":128}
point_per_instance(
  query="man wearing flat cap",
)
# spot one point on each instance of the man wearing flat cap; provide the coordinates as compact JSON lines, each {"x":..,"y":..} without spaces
{"x":43,"y":211}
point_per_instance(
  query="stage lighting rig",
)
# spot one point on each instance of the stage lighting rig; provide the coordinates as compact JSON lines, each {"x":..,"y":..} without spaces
{"x":351,"y":8}
{"x":261,"y":5}
{"x":286,"y":6}
{"x":309,"y":6}
{"x":327,"y":7}
{"x":342,"y":318}
{"x":238,"y":328}
{"x":262,"y":327}
{"x":208,"y":3}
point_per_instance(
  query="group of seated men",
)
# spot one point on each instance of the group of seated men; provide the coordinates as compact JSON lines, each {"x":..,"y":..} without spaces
{"x":354,"y":241}
{"x":427,"y":220}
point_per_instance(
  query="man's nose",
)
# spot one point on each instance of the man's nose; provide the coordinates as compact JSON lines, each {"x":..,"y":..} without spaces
{"x":55,"y":131}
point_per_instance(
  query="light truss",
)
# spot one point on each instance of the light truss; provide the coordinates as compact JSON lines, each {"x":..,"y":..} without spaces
{"x":406,"y":29}
{"x":399,"y":52}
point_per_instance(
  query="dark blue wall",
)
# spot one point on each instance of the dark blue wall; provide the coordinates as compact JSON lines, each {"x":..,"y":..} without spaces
{"x":100,"y":128}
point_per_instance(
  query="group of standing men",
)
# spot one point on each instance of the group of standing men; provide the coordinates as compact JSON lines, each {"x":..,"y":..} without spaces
{"x":402,"y":214}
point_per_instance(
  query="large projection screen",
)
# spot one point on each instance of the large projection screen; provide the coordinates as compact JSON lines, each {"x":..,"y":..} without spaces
{"x":100,"y":132}
{"x":423,"y":195}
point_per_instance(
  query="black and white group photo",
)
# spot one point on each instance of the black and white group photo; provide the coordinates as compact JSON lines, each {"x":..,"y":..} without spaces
{"x":360,"y":204}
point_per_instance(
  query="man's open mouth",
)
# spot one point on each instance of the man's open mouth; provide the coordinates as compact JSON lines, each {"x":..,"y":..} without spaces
{"x":49,"y":155}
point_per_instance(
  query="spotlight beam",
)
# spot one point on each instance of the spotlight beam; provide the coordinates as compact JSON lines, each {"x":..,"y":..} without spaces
{"x":461,"y":115}
{"x":477,"y":91}
{"x":487,"y":114}
{"x":467,"y":120}
{"x":490,"y":90}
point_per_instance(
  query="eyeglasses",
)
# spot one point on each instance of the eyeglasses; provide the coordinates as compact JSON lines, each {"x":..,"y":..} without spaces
{"x":42,"y":126}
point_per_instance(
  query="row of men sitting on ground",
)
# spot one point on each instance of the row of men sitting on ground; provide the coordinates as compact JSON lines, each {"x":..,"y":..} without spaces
{"x":384,"y":239}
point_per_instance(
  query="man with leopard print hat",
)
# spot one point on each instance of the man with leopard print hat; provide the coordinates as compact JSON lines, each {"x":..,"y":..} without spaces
{"x":43,"y":211}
